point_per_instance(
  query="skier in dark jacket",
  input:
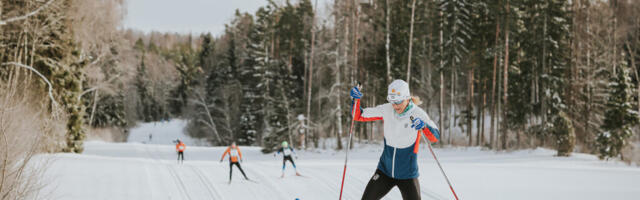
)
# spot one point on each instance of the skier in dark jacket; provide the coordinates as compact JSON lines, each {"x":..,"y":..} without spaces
{"x":287,"y":151}
{"x":398,"y":164}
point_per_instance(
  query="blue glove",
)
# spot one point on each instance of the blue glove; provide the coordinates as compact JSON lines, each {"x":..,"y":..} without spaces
{"x":418,"y":124}
{"x":355,"y":93}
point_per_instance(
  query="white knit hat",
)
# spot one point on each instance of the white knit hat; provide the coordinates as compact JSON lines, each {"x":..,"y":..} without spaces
{"x":398,"y":91}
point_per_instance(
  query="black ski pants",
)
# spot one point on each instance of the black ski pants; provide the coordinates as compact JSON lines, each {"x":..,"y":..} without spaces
{"x":381,"y":184}
{"x":237,"y":164}
{"x":180,"y":156}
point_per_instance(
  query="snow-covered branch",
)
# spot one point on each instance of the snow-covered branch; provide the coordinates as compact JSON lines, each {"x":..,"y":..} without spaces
{"x":211,"y":124}
{"x":3,"y":22}
{"x":39,"y":74}
{"x":99,"y":86}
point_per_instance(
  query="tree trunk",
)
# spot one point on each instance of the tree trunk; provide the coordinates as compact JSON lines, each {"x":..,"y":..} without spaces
{"x":482,"y":114}
{"x":413,"y":9}
{"x":310,"y":82}
{"x":492,"y":132}
{"x":441,"y":69}
{"x":339,"y":84}
{"x":386,"y":45}
{"x":356,"y":32}
{"x":93,"y":108}
{"x":470,"y":105}
{"x":505,"y":79}
{"x":452,"y":110}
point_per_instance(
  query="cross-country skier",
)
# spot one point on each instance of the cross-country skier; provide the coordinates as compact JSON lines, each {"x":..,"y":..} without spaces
{"x":180,"y":147}
{"x":286,"y":151}
{"x":398,"y":163}
{"x":235,"y":157}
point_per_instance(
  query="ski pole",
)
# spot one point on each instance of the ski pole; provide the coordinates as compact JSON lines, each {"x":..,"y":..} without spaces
{"x":438,"y":162}
{"x":346,"y":157}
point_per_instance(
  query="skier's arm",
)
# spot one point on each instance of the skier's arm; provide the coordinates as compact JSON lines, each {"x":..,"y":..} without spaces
{"x":427,"y":126}
{"x":278,"y":151}
{"x":224,"y":154}
{"x":366,"y":115}
{"x":239,"y":153}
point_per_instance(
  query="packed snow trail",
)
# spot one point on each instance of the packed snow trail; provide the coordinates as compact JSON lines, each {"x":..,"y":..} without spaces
{"x":150,"y":171}
{"x":146,"y":171}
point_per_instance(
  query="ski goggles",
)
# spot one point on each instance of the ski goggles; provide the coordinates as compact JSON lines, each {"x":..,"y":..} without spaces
{"x":396,"y":102}
{"x":395,"y":99}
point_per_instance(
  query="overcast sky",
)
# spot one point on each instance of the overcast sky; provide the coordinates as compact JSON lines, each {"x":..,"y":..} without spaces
{"x":188,"y":16}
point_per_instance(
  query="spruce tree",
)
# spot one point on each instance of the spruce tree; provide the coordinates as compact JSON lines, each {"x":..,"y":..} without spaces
{"x":145,"y":102}
{"x":565,"y":134}
{"x":251,"y":75}
{"x":619,"y":116}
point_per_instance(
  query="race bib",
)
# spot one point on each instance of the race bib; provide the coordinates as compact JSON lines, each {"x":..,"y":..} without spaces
{"x":233,"y":152}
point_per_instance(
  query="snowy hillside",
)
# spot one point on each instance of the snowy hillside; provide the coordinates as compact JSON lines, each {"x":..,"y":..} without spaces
{"x":149,"y":171}
{"x":164,"y":132}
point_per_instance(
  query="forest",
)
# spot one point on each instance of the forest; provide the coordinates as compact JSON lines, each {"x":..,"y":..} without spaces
{"x":499,"y":74}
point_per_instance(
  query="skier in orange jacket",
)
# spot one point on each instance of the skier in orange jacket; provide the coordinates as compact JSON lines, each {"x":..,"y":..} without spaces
{"x":234,"y":154}
{"x":180,"y":147}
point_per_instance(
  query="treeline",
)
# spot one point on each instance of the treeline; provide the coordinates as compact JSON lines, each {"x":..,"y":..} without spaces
{"x":504,"y":74}
{"x":501,"y":74}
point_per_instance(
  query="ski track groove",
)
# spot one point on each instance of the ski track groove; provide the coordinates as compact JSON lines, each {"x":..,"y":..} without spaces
{"x":281,"y":194}
{"x":176,"y":179}
{"x":325,"y":181}
{"x":206,"y":182}
{"x":148,"y":174}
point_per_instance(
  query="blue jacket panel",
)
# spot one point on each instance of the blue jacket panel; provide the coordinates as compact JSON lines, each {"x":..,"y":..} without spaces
{"x":402,"y":165}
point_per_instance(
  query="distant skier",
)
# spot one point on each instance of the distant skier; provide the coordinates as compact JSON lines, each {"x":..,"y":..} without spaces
{"x":180,"y":147}
{"x":234,"y":153}
{"x":150,"y":137}
{"x":286,"y":151}
{"x":398,"y":164}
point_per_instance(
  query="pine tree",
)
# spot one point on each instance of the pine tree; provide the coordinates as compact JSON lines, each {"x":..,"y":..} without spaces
{"x":109,"y":111}
{"x":545,"y":65}
{"x":145,"y":101}
{"x":190,"y":71}
{"x":206,"y":55}
{"x":251,"y":75}
{"x":619,"y":116}
{"x":277,"y":106}
{"x":564,"y":133}
{"x":70,"y":77}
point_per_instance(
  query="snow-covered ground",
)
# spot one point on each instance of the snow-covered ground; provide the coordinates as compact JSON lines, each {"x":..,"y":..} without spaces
{"x":149,"y":171}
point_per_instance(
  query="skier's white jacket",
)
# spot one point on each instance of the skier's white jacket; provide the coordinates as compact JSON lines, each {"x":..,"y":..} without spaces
{"x":399,"y":158}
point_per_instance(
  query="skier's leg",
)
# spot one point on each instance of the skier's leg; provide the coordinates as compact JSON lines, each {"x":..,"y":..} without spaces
{"x":294,"y":166}
{"x":410,"y":189}
{"x":230,"y":170}
{"x":292,"y":163}
{"x":284,"y":163}
{"x":378,"y":186}
{"x":241,"y":171}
